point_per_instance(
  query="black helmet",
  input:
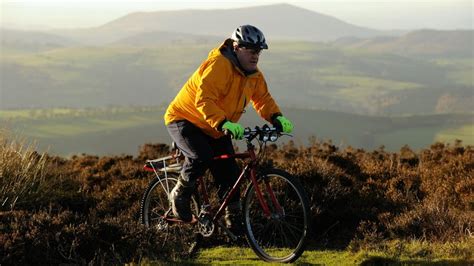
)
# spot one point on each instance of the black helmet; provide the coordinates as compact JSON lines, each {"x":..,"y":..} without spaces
{"x":248,"y":35}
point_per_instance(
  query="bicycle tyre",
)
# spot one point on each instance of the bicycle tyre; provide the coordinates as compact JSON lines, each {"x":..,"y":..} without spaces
{"x":155,"y":203}
{"x":282,"y":237}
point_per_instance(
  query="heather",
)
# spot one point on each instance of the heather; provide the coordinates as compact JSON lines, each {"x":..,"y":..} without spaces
{"x":85,"y":209}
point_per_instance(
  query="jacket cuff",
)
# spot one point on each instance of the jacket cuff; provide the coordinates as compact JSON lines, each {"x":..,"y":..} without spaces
{"x":274,"y":116}
{"x":219,"y":127}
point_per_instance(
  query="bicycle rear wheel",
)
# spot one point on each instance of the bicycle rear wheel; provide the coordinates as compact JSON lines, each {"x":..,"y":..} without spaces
{"x":281,"y":237}
{"x":181,"y":238}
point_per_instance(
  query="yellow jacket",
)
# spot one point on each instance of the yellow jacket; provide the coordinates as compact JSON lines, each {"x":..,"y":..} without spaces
{"x":220,"y":91}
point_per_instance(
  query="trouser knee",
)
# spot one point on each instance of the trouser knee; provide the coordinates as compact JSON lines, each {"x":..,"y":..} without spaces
{"x":192,"y":170}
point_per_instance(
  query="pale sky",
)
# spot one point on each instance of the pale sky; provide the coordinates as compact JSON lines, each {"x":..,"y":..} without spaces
{"x":377,"y":14}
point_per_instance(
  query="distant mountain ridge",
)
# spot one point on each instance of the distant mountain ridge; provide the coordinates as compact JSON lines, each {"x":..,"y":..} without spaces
{"x":279,"y":22}
{"x":32,"y":40}
{"x":166,"y":37}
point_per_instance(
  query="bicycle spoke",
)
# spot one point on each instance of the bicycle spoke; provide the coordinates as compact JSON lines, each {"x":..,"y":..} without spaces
{"x":284,"y":239}
{"x":155,"y":204}
{"x":292,"y":230}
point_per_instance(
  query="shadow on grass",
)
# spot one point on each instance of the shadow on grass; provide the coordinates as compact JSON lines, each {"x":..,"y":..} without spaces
{"x":376,"y":261}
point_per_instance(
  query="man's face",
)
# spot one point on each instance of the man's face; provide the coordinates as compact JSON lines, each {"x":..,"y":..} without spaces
{"x":248,"y":57}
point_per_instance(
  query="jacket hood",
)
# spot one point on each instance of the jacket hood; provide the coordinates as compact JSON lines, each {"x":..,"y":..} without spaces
{"x":227,"y":50}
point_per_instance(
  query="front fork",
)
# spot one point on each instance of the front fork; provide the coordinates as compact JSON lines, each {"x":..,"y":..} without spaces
{"x":269,"y":191}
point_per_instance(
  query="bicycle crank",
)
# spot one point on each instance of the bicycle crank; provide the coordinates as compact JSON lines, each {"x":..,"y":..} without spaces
{"x":227,"y":231}
{"x":205,"y":225}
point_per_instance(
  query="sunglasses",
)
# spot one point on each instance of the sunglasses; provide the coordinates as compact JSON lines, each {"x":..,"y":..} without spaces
{"x":251,"y":50}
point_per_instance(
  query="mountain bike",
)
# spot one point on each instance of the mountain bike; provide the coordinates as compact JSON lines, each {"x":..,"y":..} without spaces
{"x":275,"y":208}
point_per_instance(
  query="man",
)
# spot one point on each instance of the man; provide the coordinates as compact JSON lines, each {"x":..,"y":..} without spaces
{"x":211,"y":102}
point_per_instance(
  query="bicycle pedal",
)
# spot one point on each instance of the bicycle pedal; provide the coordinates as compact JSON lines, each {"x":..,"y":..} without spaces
{"x":194,"y":220}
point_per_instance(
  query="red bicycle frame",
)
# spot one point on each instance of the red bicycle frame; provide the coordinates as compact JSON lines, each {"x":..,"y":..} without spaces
{"x":249,"y":171}
{"x":250,"y":168}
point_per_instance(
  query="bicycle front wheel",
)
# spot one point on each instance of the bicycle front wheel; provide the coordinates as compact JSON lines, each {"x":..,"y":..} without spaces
{"x":181,"y":238}
{"x":279,"y":236}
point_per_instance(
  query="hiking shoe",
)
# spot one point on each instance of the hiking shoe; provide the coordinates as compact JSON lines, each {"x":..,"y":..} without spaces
{"x":180,"y":201}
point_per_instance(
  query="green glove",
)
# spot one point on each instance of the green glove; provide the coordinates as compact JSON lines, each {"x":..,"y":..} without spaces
{"x":235,"y":129}
{"x":283,"y":124}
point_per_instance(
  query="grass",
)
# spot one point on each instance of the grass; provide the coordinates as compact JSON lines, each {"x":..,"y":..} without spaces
{"x":245,"y":256}
{"x":14,"y":114}
{"x":418,"y":252}
{"x":356,"y":88}
{"x":368,"y":82}
{"x":466,"y":133}
{"x":423,"y":137}
{"x":87,"y":126}
{"x":395,"y":252}
{"x":57,"y":122}
{"x":461,"y":70}
{"x":462,"y":77}
{"x":22,"y":169}
{"x":48,"y":113}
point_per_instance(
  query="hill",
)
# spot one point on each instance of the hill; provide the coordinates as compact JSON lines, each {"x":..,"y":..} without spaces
{"x":456,"y":43}
{"x":322,"y":76}
{"x":279,"y":22}
{"x":31,"y":41}
{"x":154,"y":38}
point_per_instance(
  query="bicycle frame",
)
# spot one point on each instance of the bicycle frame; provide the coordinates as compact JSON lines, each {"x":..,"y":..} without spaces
{"x":275,"y":207}
{"x":248,"y":172}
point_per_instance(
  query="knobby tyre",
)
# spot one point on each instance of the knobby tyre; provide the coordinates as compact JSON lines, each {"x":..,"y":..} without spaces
{"x":180,"y":239}
{"x":282,"y":236}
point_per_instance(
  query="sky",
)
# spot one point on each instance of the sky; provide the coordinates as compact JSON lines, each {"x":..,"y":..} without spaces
{"x":377,"y":14}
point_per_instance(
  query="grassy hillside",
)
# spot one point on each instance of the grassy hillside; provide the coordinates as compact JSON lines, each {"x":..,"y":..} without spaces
{"x":299,"y":74}
{"x":455,"y":43}
{"x":367,"y":208}
{"x":121,"y":130}
{"x":31,"y":41}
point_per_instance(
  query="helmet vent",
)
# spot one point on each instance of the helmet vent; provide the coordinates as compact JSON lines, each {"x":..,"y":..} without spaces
{"x":249,"y":35}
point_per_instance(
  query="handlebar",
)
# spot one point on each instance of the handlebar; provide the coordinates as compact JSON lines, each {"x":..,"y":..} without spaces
{"x":264,"y":133}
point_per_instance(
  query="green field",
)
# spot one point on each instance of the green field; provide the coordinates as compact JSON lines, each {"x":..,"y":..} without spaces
{"x":299,"y":74}
{"x":122,"y":130}
{"x":465,"y":133}
{"x":387,"y":253}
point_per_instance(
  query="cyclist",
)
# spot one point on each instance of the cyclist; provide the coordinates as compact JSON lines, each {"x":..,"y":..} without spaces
{"x":211,"y":102}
